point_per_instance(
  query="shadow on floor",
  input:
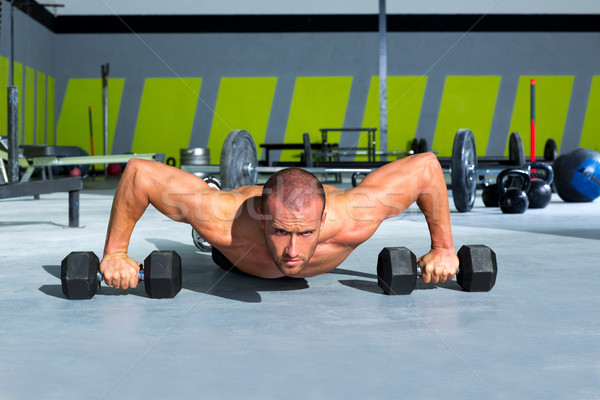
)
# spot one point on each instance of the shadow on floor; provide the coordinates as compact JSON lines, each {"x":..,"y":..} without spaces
{"x":56,"y":290}
{"x":204,"y":276}
{"x":371,"y":285}
{"x":200,"y":274}
{"x":246,"y":288}
{"x":212,"y":280}
{"x":19,"y":223}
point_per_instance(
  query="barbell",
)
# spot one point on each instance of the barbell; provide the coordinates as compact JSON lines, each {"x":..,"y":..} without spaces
{"x":239,"y":166}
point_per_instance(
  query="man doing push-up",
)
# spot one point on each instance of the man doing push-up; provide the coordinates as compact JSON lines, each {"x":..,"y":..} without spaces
{"x":292,"y":226}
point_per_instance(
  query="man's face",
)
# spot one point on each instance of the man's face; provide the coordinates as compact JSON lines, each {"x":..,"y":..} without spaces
{"x":291,"y":236}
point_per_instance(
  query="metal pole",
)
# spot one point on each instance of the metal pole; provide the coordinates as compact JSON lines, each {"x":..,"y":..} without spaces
{"x":383,"y":78}
{"x":74,"y":209}
{"x":13,"y":128}
{"x":532,"y":120}
{"x":12,"y":45}
{"x":105,"y":111}
{"x":11,"y":61}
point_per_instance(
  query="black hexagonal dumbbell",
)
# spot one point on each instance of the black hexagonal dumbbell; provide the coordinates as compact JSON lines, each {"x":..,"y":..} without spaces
{"x":81,"y":277}
{"x":397,"y":269}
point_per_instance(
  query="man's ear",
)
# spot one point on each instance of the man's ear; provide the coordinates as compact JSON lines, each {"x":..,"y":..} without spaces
{"x":323,"y":218}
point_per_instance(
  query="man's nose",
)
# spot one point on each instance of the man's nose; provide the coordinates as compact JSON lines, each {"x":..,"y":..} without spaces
{"x":292,"y":249}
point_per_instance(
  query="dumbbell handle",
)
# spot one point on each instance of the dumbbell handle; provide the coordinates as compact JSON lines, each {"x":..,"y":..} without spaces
{"x":419,"y":272}
{"x":140,"y":276}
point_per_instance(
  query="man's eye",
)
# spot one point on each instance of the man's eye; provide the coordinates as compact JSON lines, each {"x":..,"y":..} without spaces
{"x":280,"y":232}
{"x":307,"y":233}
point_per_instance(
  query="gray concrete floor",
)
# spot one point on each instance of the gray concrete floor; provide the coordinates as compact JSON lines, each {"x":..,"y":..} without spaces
{"x":536,"y":335}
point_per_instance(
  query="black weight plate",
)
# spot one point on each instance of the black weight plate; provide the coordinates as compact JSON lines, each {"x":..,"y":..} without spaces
{"x":355,"y":178}
{"x":462,"y":170}
{"x":550,"y":150}
{"x":516,"y":151}
{"x":414,"y":145}
{"x":200,"y":243}
{"x":239,"y":160}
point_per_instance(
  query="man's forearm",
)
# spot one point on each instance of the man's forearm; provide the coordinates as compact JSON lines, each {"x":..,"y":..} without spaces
{"x":433,"y":202}
{"x":129,"y":203}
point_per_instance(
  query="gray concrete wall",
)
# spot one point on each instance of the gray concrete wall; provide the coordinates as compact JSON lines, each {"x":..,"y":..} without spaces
{"x":289,"y":55}
{"x":34,"y":47}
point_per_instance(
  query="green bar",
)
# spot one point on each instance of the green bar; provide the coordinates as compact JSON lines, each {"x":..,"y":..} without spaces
{"x":73,"y":127}
{"x":18,"y":69}
{"x":50,"y":112}
{"x":3,"y":95}
{"x":590,"y":136}
{"x":468,"y":102}
{"x":166,"y":115}
{"x":243,"y":103}
{"x":318,"y":102}
{"x":405,"y":98}
{"x":40,"y":120}
{"x":29,"y":106}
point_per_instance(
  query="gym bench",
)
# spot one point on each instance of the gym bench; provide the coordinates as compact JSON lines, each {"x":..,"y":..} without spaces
{"x":35,"y":188}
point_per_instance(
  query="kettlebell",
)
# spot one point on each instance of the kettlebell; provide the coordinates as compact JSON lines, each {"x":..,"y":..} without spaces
{"x":513,"y":199}
{"x":490,"y":195}
{"x":540,"y":191}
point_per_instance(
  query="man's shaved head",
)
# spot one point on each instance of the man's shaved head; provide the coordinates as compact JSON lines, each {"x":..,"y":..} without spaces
{"x":296,"y":187}
{"x":292,"y":214}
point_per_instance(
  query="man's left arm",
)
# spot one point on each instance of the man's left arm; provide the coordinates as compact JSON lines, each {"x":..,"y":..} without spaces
{"x":391,"y":189}
{"x":441,"y":263}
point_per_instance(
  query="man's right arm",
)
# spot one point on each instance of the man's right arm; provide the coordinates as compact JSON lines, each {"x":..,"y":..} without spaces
{"x":171,"y":191}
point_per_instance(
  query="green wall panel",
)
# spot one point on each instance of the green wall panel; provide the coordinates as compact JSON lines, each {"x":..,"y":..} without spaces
{"x":590,"y":137}
{"x":405,"y":98}
{"x":467,"y":102}
{"x":19,"y":82}
{"x":318,"y":102}
{"x":29,"y":106}
{"x":552,"y":97}
{"x":4,"y":81}
{"x":166,"y":115}
{"x":3,"y":100}
{"x":73,"y":127}
{"x":40,"y":113}
{"x":243,"y":103}
{"x":50,"y":111}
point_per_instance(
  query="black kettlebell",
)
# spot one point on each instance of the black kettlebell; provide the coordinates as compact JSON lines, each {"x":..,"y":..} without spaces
{"x":540,"y":191}
{"x":513,"y":199}
{"x":490,"y":195}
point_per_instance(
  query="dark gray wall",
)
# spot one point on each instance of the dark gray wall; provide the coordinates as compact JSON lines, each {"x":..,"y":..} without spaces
{"x":34,"y":47}
{"x":287,"y":55}
{"x":34,"y":43}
